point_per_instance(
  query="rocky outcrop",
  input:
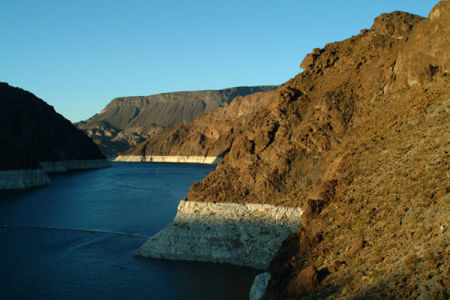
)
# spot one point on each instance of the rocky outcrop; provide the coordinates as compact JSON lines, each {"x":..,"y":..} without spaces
{"x":128,"y":121}
{"x":240,"y":234}
{"x":359,"y":141}
{"x":35,"y":139}
{"x":259,"y":286}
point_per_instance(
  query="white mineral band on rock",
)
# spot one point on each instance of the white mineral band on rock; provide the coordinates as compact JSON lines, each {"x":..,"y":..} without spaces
{"x":214,"y":160}
{"x":239,"y":234}
{"x":67,"y":165}
{"x":259,"y":286}
{"x":22,"y":179}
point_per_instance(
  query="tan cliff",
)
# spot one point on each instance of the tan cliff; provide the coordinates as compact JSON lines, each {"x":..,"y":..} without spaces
{"x":360,"y":142}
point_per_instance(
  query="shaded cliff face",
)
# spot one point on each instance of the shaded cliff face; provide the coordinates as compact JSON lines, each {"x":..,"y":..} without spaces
{"x":128,"y":121}
{"x":359,"y":141}
{"x":31,"y":131}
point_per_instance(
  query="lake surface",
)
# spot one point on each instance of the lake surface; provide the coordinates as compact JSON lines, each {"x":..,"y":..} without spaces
{"x":75,"y":238}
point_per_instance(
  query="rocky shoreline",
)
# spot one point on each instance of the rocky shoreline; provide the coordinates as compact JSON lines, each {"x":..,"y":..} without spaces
{"x":22,"y":179}
{"x":239,"y":234}
{"x":212,"y":160}
{"x":26,"y":178}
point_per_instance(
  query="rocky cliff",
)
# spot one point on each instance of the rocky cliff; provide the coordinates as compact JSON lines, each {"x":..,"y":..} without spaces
{"x":360,"y":141}
{"x":128,"y":121}
{"x":35,"y":139}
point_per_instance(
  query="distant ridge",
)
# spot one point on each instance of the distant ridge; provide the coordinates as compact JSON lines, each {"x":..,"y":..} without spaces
{"x":128,"y":121}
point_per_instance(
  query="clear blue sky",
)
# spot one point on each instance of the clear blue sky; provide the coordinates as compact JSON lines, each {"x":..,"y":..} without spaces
{"x":78,"y":55}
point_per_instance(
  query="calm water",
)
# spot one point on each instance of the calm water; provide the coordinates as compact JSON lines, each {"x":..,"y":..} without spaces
{"x":75,"y":238}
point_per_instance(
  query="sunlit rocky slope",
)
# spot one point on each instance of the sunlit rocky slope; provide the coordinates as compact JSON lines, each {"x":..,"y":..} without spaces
{"x":128,"y":121}
{"x":35,"y":139}
{"x":360,"y":140}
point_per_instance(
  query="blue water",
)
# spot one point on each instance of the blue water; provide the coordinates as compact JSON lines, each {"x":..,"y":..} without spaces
{"x":75,"y":238}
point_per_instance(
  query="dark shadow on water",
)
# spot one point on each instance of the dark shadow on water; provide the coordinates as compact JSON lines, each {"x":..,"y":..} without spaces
{"x":55,"y":264}
{"x":76,"y":229}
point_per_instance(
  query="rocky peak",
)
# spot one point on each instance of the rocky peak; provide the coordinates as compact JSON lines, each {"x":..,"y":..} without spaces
{"x":427,"y":50}
{"x":396,"y":24}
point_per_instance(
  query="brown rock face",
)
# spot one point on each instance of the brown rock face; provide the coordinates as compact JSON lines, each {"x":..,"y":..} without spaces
{"x":31,"y":131}
{"x":359,"y":140}
{"x":283,"y":147}
{"x":427,"y":50}
{"x":396,"y":24}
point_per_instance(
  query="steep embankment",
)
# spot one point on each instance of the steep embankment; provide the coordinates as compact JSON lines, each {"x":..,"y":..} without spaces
{"x":35,"y":139}
{"x":360,"y":141}
{"x":128,"y":121}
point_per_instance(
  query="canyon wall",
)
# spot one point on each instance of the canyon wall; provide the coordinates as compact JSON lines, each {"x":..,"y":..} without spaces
{"x":127,"y":121}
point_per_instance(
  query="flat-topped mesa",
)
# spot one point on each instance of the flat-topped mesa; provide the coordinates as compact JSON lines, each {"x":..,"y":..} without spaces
{"x":35,"y":139}
{"x":128,"y":121}
{"x":239,"y":234}
{"x":205,"y":140}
